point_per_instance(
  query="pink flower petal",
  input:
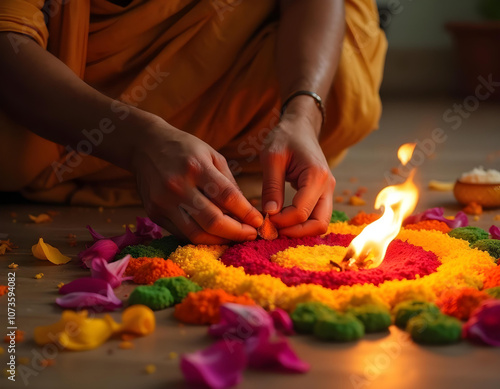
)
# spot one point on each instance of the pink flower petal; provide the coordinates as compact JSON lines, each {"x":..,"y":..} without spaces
{"x":104,"y":248}
{"x":147,"y":229}
{"x":218,"y":366}
{"x":282,"y":321}
{"x":111,"y":272}
{"x":495,"y":232}
{"x":460,"y":220}
{"x":484,"y":324}
{"x":85,"y":284}
{"x":242,"y":321}
{"x":78,"y":300}
{"x":265,"y":353}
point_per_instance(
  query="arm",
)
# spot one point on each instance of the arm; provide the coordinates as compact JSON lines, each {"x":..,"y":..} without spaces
{"x":171,"y":166}
{"x":308,"y":50}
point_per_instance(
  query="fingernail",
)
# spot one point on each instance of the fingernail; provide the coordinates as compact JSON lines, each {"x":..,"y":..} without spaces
{"x":271,"y":206}
{"x":257,"y":221}
{"x":251,"y":237}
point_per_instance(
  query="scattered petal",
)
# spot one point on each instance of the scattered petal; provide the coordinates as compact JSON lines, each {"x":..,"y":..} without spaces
{"x":356,"y":200}
{"x":42,"y":218}
{"x":442,"y":186}
{"x":263,"y":352}
{"x":104,"y":248}
{"x":484,"y":324}
{"x":218,"y":366}
{"x":150,"y":369}
{"x":122,"y":241}
{"x":39,"y":275}
{"x":473,"y":208}
{"x":77,"y":300}
{"x":282,"y":321}
{"x":267,"y":230}
{"x":241,"y":321}
{"x":13,"y":266}
{"x":85,"y":284}
{"x":110,"y":272}
{"x":494,"y":232}
{"x":460,"y":219}
{"x":147,"y":229}
{"x":42,"y":250}
{"x":3,"y":289}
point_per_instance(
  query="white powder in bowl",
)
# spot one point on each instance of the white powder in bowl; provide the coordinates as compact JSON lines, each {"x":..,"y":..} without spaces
{"x":481,"y":176}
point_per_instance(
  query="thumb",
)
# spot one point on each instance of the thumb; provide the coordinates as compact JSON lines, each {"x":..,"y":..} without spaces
{"x":273,"y":186}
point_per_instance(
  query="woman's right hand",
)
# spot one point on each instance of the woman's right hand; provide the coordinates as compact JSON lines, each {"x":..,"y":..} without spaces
{"x":187,"y":188}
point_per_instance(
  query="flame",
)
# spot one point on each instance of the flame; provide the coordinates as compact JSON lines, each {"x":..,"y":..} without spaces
{"x":368,"y":248}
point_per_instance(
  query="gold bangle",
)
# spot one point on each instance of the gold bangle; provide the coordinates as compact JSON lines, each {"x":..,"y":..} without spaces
{"x":315,"y":96}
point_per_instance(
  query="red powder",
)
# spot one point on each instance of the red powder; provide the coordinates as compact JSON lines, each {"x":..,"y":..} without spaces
{"x":363,"y":218}
{"x":204,"y":307}
{"x":430,"y":225}
{"x":460,"y":303}
{"x":155,"y":269}
{"x":492,"y":277}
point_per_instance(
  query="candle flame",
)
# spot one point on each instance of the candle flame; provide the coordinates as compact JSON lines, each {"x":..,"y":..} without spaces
{"x":369,"y":247}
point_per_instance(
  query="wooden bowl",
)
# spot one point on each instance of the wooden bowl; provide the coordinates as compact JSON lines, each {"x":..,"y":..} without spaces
{"x":487,"y":195}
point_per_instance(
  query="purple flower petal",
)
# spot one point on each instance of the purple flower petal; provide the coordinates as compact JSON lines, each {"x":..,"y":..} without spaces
{"x":241,"y":321}
{"x":460,"y":220}
{"x":106,"y":300}
{"x":104,"y":248}
{"x":147,"y":229}
{"x":484,"y":324}
{"x":282,"y":321}
{"x":85,"y":284}
{"x":218,"y":366}
{"x":111,"y":272}
{"x":265,"y":353}
{"x":495,"y":232}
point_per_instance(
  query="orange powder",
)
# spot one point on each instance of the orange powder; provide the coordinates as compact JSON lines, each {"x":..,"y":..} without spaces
{"x":135,"y":263}
{"x":203,"y":307}
{"x":3,"y":289}
{"x":492,"y":277}
{"x":430,"y":225}
{"x":155,"y":269}
{"x":460,"y":303}
{"x":363,"y":218}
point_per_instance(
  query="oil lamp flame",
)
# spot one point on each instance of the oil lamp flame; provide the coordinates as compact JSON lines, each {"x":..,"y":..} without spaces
{"x":368,"y":249}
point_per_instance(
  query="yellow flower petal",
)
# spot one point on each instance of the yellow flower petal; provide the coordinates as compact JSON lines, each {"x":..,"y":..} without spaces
{"x":43,"y":250}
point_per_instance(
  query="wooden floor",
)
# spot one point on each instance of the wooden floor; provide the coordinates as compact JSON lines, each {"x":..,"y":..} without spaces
{"x":378,"y":361}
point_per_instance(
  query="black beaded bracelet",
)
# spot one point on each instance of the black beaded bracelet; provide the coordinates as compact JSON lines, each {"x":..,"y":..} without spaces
{"x":317,"y":99}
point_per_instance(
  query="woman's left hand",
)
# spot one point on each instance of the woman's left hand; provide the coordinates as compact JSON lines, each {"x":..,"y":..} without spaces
{"x":292,"y":153}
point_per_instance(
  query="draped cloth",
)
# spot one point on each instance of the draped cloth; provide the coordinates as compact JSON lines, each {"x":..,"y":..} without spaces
{"x":205,"y":66}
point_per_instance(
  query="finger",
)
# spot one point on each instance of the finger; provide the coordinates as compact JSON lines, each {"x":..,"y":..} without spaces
{"x":273,"y":185}
{"x":220,"y":164}
{"x":193,"y":232}
{"x":317,"y":223}
{"x":213,"y":221}
{"x":310,"y":184}
{"x":169,"y":226}
{"x":221,"y":191}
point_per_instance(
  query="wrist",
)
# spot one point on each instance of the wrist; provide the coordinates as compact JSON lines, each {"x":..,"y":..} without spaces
{"x":304,"y":108}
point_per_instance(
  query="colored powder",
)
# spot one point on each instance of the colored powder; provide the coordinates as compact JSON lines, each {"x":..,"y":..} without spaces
{"x":204,"y":307}
{"x":363,"y":218}
{"x":339,"y":328}
{"x":492,"y":277}
{"x":156,"y":269}
{"x":460,"y":303}
{"x":427,"y":328}
{"x":18,"y":336}
{"x":135,"y":263}
{"x":435,"y":225}
{"x":3,"y":289}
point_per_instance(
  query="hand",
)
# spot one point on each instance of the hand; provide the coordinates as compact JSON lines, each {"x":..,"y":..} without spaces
{"x":187,"y":188}
{"x":293,"y":154}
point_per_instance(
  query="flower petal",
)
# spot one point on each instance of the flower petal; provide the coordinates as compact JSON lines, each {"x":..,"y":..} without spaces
{"x":263,"y":352}
{"x":127,"y":239}
{"x":104,"y":248}
{"x":460,"y":219}
{"x":78,"y":300}
{"x":484,"y":324}
{"x":42,"y":250}
{"x":85,"y":284}
{"x":282,"y":321}
{"x":110,"y":272}
{"x":147,"y":229}
{"x":495,"y":232}
{"x":242,"y":321}
{"x":218,"y":366}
